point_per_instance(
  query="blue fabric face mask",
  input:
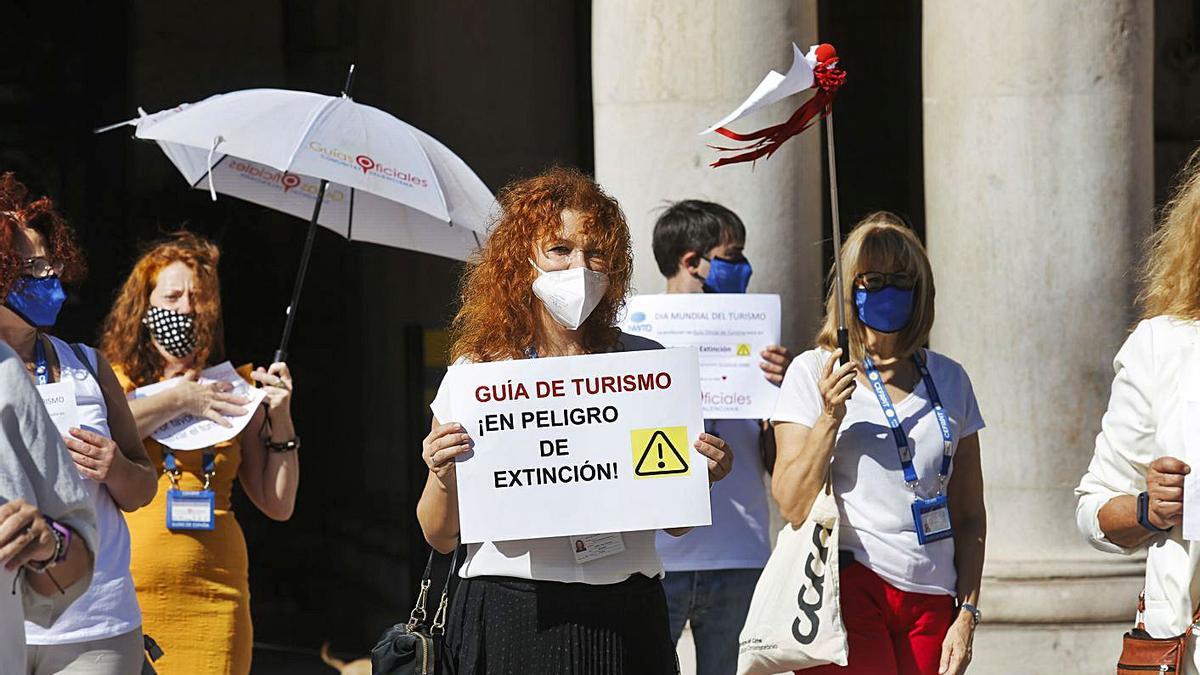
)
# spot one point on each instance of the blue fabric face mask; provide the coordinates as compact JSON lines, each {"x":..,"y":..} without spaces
{"x":887,"y":310}
{"x":727,"y":276}
{"x":36,"y":300}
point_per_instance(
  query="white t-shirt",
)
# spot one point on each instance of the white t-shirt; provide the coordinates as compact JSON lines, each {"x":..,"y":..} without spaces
{"x":553,"y":559}
{"x":876,"y":506}
{"x":738,"y":537}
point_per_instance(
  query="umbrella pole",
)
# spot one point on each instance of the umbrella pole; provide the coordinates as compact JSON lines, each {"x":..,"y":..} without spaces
{"x":281,"y":353}
{"x":843,"y":335}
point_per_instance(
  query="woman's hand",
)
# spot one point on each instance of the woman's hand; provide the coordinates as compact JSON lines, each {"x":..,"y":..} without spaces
{"x":94,"y":455}
{"x":836,"y":386}
{"x":956,"y":648}
{"x":277,"y":384}
{"x":440,"y":448}
{"x":775,"y":362}
{"x":720,"y":457}
{"x":211,"y":401}
{"x":1164,"y":483}
{"x":24,"y":535}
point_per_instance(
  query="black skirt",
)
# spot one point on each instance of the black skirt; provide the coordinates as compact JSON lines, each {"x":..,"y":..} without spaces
{"x":506,"y":626}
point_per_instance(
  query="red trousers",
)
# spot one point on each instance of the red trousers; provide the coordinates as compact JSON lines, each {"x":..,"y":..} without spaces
{"x":889,"y":630}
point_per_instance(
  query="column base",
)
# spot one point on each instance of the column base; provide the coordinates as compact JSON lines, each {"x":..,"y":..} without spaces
{"x":1036,"y":649}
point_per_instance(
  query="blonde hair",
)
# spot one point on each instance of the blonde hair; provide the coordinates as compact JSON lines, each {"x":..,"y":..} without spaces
{"x":881,"y":242}
{"x":1170,"y":274}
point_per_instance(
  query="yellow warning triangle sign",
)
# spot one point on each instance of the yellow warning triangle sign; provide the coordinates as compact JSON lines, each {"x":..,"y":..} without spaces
{"x":660,"y":457}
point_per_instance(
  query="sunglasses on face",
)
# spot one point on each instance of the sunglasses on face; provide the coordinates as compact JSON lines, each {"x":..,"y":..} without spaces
{"x":873,"y":281}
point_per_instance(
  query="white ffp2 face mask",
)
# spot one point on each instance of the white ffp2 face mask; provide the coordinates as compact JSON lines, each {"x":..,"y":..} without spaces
{"x":570,"y":295}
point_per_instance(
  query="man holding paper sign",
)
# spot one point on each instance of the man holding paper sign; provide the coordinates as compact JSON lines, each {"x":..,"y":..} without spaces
{"x":620,"y":431}
{"x":711,"y":574}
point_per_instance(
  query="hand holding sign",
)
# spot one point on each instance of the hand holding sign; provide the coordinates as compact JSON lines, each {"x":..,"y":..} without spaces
{"x":775,"y":362}
{"x":720,"y":459}
{"x":441,"y":447}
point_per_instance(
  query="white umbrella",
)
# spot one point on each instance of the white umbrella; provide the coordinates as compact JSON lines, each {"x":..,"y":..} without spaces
{"x":348,"y":167}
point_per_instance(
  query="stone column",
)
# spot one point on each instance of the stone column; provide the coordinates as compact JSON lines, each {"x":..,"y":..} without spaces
{"x":663,"y":70}
{"x":1038,"y":184}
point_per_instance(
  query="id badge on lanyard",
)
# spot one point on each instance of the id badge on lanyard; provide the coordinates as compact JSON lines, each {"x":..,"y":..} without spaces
{"x":931,"y":517}
{"x":190,"y":509}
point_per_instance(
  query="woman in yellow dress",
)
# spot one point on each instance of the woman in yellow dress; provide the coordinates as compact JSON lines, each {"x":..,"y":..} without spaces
{"x":192,"y":582}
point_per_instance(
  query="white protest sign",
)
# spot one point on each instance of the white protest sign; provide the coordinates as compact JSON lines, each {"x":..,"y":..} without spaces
{"x":187,"y":432}
{"x":59,"y":399}
{"x":730,"y":330}
{"x":580,"y":445}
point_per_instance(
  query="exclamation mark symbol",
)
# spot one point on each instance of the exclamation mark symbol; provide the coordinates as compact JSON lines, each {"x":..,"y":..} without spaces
{"x":661,"y":463}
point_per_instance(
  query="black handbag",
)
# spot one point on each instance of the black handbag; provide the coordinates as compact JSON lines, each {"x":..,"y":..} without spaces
{"x":415,"y":648}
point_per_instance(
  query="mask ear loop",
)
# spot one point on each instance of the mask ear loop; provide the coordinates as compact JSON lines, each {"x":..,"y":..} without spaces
{"x":539,"y":270}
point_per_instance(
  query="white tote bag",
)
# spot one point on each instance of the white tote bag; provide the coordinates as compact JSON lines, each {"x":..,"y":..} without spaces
{"x":795,"y":618}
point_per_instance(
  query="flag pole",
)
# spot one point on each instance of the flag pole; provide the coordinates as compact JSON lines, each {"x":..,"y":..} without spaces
{"x":843,"y":335}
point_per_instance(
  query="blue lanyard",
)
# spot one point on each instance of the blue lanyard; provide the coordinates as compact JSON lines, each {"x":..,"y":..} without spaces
{"x":41,"y":366}
{"x":209,"y":468}
{"x":893,"y":419}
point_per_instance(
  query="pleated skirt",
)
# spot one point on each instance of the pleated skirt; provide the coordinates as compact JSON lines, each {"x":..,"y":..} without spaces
{"x":506,"y":626}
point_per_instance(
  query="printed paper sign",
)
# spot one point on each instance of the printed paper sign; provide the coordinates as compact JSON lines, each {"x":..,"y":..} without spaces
{"x":580,"y":445}
{"x":729,"y":330}
{"x":193,"y":433}
{"x":59,"y":399}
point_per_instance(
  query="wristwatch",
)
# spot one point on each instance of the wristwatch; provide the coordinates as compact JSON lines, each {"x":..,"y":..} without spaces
{"x":1143,"y":514}
{"x":976,"y":615}
{"x":286,"y":446}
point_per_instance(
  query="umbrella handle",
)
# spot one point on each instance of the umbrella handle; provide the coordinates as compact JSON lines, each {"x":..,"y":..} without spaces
{"x":843,"y":338}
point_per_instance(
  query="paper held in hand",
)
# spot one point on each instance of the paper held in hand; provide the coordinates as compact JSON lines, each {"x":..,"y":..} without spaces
{"x":59,"y":399}
{"x":187,"y":432}
{"x":579,"y":445}
{"x":730,"y":331}
{"x":1191,"y":505}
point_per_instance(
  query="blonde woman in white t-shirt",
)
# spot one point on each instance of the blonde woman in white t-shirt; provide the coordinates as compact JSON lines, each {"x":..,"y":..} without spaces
{"x":529,"y":607}
{"x":910,"y":495}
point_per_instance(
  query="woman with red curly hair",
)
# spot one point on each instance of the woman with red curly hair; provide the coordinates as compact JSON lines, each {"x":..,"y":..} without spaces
{"x":101,"y":631}
{"x":194,"y":583}
{"x":549,"y":282}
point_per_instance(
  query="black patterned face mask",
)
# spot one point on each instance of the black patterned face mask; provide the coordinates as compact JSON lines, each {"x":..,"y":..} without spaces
{"x":174,"y":332}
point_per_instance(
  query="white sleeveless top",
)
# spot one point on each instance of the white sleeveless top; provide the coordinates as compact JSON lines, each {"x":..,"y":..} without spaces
{"x":109,"y":607}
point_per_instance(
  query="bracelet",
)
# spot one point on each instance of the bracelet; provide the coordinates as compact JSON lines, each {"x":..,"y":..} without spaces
{"x":62,"y":540}
{"x":1143,"y":514}
{"x":975,"y":614}
{"x":286,"y":446}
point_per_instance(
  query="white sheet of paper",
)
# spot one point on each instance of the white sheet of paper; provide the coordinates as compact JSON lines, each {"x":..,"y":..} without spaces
{"x":59,"y":399}
{"x":555,"y":459}
{"x":775,"y":87}
{"x":193,"y":433}
{"x":729,"y":330}
{"x":1191,"y":504}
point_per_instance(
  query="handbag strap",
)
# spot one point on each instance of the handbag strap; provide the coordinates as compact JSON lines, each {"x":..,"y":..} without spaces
{"x":1141,"y":614}
{"x":439,"y":617}
{"x":419,"y":612}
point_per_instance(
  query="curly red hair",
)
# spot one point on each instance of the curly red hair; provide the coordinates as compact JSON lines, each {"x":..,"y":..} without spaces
{"x":127,"y":343}
{"x":498,"y":315}
{"x":18,"y":211}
